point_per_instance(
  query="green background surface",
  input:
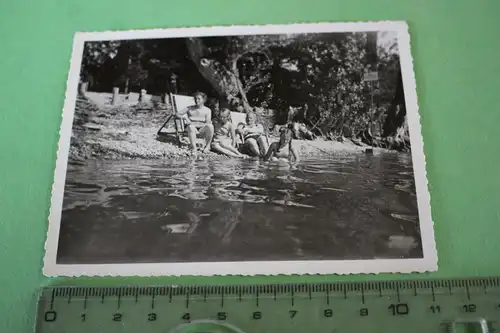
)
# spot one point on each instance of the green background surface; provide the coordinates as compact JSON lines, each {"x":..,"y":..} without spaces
{"x":456,"y":57}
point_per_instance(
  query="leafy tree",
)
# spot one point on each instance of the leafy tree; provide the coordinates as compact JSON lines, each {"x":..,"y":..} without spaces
{"x":323,"y":74}
{"x":219,"y":60}
{"x":319,"y":74}
{"x":95,"y":55}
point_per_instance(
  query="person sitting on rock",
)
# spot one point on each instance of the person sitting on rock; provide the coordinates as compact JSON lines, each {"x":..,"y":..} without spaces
{"x":283,"y":149}
{"x":225,"y":135}
{"x":254,"y":138}
{"x":198,"y":121}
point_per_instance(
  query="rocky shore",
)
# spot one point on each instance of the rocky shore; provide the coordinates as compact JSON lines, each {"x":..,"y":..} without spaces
{"x":130,"y":132}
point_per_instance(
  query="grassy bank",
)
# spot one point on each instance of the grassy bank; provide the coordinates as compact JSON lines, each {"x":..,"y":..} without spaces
{"x":130,"y":132}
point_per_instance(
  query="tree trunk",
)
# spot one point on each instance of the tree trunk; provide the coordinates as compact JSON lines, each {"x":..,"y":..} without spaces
{"x":372,"y":62}
{"x":125,"y":90}
{"x":218,"y":75}
{"x":371,"y":50}
{"x":127,"y":80}
{"x":239,"y":85}
{"x":395,"y":132}
{"x":396,"y":114}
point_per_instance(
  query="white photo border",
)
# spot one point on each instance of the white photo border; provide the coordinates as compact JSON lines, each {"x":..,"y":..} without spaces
{"x":428,"y":263}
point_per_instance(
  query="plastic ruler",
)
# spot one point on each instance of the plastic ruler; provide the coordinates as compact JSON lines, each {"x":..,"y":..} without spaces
{"x":446,"y":306}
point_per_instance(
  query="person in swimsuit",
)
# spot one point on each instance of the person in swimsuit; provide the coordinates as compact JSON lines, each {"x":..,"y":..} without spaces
{"x":198,"y":120}
{"x":225,"y":135}
{"x":253,"y":134}
{"x":283,"y":149}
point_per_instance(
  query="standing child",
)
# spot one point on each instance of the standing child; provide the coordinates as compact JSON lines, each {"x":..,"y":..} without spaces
{"x":283,"y":149}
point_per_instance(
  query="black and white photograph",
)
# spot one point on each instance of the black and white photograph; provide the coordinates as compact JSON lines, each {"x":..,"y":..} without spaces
{"x":241,"y":150}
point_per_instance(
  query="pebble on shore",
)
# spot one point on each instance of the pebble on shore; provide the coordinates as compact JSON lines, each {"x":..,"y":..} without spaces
{"x":112,"y":135}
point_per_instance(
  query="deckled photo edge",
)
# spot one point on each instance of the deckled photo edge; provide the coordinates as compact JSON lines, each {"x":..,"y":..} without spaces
{"x":65,"y":131}
{"x":241,"y":30}
{"x":417,"y":148}
{"x":248,"y":268}
{"x":343,"y":267}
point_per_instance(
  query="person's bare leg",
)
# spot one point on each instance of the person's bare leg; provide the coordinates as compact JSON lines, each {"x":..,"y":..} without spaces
{"x":207,"y":133}
{"x":227,"y":146}
{"x":252,"y":146}
{"x":263,"y":146}
{"x":295,"y":154}
{"x":219,"y":149}
{"x":191,"y":132}
{"x":271,"y":152}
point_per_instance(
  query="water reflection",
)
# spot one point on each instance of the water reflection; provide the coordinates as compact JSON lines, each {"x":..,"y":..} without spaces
{"x":349,"y":207}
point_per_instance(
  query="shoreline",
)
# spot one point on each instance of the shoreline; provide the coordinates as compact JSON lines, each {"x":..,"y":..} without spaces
{"x":149,"y":148}
{"x":124,"y":133}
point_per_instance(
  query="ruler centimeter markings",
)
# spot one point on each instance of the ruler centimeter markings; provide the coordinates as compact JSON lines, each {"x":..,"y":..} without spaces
{"x":441,"y":306}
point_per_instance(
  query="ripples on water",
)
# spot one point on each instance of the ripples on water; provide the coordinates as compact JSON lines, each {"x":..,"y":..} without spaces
{"x":354,"y":207}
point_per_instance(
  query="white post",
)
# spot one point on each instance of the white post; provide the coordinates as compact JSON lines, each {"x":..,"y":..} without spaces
{"x":116,"y":95}
{"x":142,"y":95}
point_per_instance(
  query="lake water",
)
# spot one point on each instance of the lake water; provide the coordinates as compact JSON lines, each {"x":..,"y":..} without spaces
{"x":349,"y":207}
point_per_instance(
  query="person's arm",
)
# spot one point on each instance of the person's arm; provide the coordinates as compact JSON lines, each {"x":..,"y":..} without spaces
{"x":257,"y":129}
{"x":240,"y":130}
{"x":208,"y":116}
{"x":183,"y":116}
{"x":271,"y":151}
{"x":182,"y":113}
{"x":233,"y":135}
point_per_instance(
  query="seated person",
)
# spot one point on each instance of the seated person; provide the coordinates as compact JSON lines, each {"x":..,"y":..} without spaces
{"x":254,"y":138}
{"x":225,"y":137}
{"x":283,"y":149}
{"x":214,"y":105}
{"x":198,"y":121}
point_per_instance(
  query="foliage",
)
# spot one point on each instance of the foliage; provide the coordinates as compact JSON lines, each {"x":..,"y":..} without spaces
{"x":130,"y":58}
{"x":324,"y":75}
{"x":337,"y":93}
{"x":321,"y":74}
{"x":95,"y":55}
